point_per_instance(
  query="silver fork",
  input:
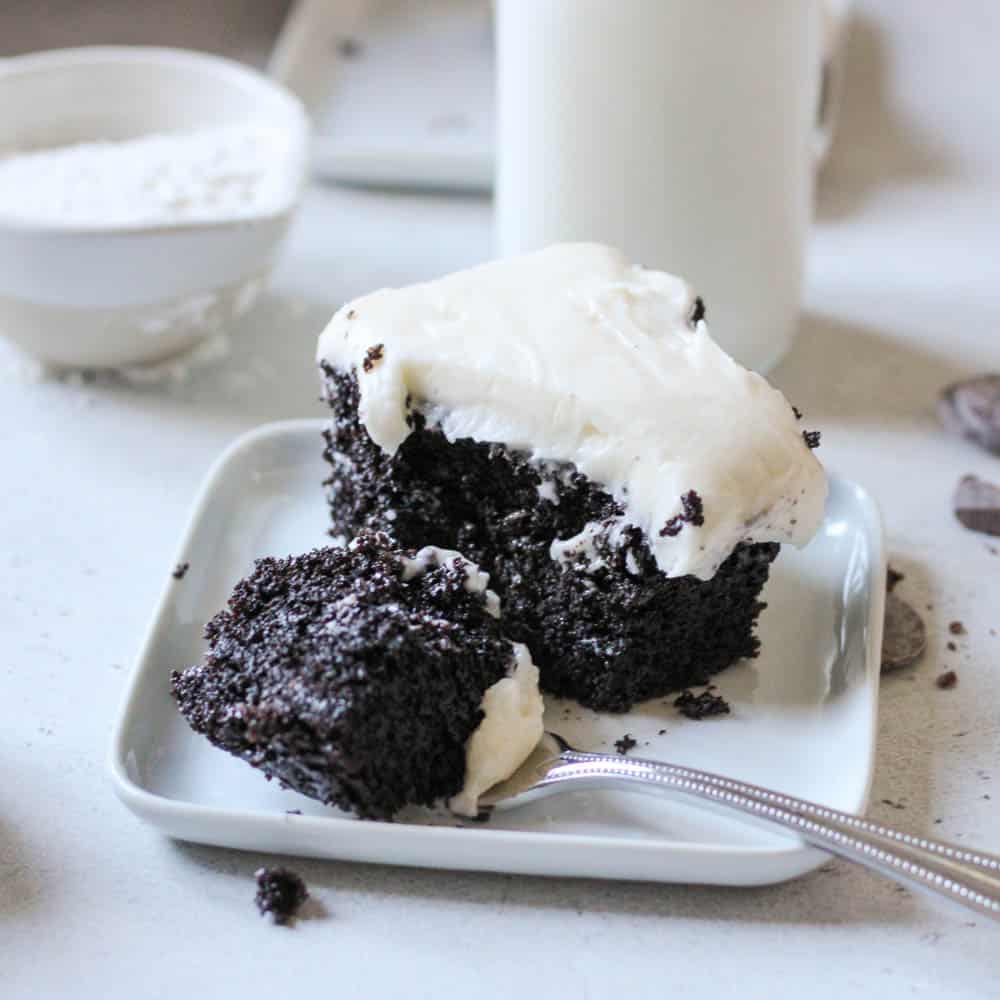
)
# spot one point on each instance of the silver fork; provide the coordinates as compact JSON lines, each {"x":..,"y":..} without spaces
{"x":965,"y":876}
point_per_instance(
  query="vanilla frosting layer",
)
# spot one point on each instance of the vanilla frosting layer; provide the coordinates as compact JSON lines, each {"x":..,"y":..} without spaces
{"x":512,"y":707}
{"x":510,"y":730}
{"x":574,"y":355}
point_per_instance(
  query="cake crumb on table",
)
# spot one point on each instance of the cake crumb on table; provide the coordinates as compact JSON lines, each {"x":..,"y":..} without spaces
{"x":947,"y":680}
{"x":180,"y":570}
{"x":956,"y":628}
{"x":625,"y":744}
{"x":280,"y":893}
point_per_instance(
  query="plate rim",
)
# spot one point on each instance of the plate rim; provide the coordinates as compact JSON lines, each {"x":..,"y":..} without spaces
{"x":167,"y":813}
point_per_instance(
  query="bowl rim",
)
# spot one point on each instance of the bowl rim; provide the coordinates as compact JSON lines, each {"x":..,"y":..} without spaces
{"x":228,"y":71}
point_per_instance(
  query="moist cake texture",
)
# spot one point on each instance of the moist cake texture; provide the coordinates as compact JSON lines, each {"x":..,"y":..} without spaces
{"x":358,"y":676}
{"x":566,"y":421}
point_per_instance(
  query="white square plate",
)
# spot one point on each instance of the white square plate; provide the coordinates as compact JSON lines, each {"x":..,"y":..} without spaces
{"x":803,"y":713}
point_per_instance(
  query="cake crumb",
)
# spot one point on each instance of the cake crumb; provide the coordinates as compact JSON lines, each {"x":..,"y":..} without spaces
{"x":692,"y":512}
{"x":893,"y":805}
{"x":951,"y":647}
{"x":956,"y":628}
{"x":811,"y":439}
{"x":797,"y":412}
{"x":625,"y":744}
{"x":892,"y":577}
{"x":372,"y":356}
{"x":698,"y":311}
{"x":947,"y":680}
{"x":660,"y":732}
{"x":701,"y":706}
{"x":180,"y":570}
{"x":280,"y":892}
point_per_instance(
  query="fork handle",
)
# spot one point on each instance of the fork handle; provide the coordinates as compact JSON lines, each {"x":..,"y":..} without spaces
{"x":970,"y":878}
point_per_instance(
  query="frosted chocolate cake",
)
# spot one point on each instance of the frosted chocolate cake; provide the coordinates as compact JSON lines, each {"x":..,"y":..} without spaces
{"x":367,"y":677}
{"x":566,"y":421}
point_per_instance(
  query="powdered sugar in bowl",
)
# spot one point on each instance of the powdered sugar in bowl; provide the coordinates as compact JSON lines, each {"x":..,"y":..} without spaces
{"x":143,"y":196}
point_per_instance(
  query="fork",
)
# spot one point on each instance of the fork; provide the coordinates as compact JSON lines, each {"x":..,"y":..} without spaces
{"x":965,"y":876}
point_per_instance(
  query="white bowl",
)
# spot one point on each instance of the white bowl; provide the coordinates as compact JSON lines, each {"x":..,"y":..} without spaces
{"x":98,"y":297}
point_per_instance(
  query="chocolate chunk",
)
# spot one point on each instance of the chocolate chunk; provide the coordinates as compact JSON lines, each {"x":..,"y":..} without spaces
{"x":701,"y":706}
{"x":280,"y":892}
{"x":956,"y":628}
{"x":698,"y":312}
{"x":625,"y":744}
{"x":947,"y":680}
{"x":977,"y":505}
{"x":905,"y":636}
{"x":952,"y":648}
{"x":811,"y":438}
{"x":797,"y":412}
{"x":971,"y":409}
{"x":892,"y":577}
{"x":180,"y":569}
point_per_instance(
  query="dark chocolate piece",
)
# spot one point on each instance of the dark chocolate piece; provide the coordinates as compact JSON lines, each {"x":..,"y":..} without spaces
{"x":811,"y":438}
{"x":904,"y":638}
{"x":971,"y":409}
{"x":280,"y":893}
{"x":625,"y":744}
{"x":698,"y":311}
{"x":180,"y":570}
{"x":892,"y":577}
{"x":956,"y":628}
{"x":947,"y":680}
{"x":977,"y":505}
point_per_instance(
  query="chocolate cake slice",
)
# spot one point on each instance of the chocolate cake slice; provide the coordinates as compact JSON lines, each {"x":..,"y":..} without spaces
{"x":566,"y":421}
{"x":367,"y":677}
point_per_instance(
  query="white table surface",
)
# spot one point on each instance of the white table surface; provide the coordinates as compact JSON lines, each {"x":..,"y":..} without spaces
{"x":903,"y":295}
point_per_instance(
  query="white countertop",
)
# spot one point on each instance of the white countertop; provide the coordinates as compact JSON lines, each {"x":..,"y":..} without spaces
{"x":903,"y":296}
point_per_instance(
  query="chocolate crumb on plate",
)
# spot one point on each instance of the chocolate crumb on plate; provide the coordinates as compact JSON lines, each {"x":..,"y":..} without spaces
{"x":894,"y":805}
{"x":180,"y":569}
{"x":952,"y":648}
{"x":701,"y":706}
{"x":947,"y":680}
{"x":977,"y":505}
{"x":971,"y":409}
{"x":892,"y":577}
{"x":280,"y":893}
{"x":625,"y":744}
{"x":811,"y":439}
{"x":956,"y":628}
{"x":904,"y":638}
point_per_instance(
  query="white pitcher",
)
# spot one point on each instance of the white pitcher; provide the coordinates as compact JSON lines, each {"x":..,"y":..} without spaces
{"x":683,"y":131}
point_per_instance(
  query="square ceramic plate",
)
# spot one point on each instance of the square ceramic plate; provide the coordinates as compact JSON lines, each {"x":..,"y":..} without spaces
{"x":803,"y":713}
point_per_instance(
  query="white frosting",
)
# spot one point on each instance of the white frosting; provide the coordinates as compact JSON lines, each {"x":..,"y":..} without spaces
{"x":506,"y":736}
{"x":573,"y":355}
{"x":512,"y":707}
